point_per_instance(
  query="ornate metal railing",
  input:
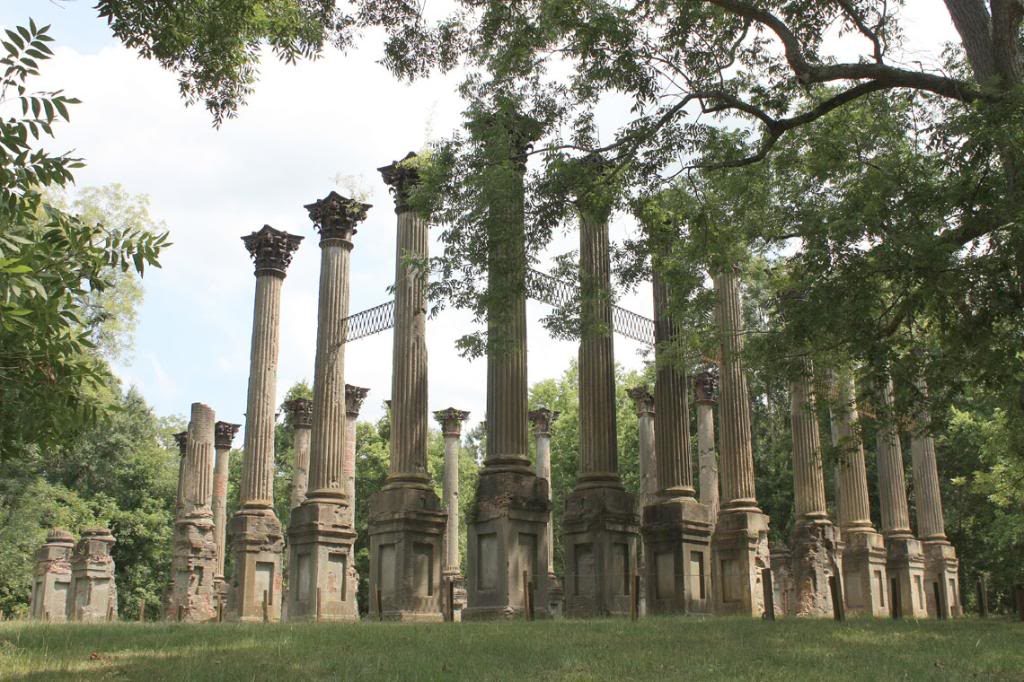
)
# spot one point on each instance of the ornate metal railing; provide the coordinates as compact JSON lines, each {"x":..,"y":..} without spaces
{"x":542,"y":287}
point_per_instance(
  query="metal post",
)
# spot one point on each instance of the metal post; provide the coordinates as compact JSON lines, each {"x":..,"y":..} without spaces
{"x":769,"y":594}
{"x":451,"y":601}
{"x":835,"y":584}
{"x":896,"y":600}
{"x":1020,"y":602}
{"x":319,"y":604}
{"x":982,"y":597}
{"x":142,"y":609}
{"x":380,"y":605}
{"x":266,"y":606}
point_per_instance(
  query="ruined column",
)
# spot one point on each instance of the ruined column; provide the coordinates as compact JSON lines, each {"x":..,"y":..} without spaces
{"x":600,"y":525}
{"x":941,"y":564}
{"x":193,"y":596}
{"x":407,"y":521}
{"x":224,"y":434}
{"x":257,"y":539}
{"x":905,"y":559}
{"x":541,"y":419}
{"x":705,"y":387}
{"x":865,"y":582}
{"x":354,"y":397}
{"x":300,"y":418}
{"x":643,"y":400}
{"x":181,"y":439}
{"x":740,"y":542}
{"x":51,"y":579}
{"x":453,"y":583}
{"x":815,"y":552}
{"x":511,"y":509}
{"x":93,"y":597}
{"x":322,"y":580}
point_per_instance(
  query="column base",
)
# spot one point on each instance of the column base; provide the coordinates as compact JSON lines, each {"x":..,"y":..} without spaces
{"x":453,"y":595}
{"x":556,"y":597}
{"x":677,"y":554}
{"x":600,"y":535}
{"x":942,"y":569}
{"x":193,"y":592}
{"x":406,"y":528}
{"x":783,"y":584}
{"x":322,"y":578}
{"x":739,"y":550}
{"x":507,"y":535}
{"x":816,"y":556}
{"x":257,"y":543}
{"x":865,"y":579}
{"x":905,"y":566}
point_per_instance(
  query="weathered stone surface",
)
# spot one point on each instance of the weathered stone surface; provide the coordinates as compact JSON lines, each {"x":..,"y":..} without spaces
{"x":300,"y":416}
{"x":453,"y":582}
{"x":677,"y":554}
{"x":51,"y":582}
{"x":705,"y":386}
{"x":541,"y":420}
{"x":224,"y":435}
{"x":643,"y":400}
{"x":93,"y":596}
{"x":816,"y":557}
{"x":354,"y":397}
{"x":322,"y":577}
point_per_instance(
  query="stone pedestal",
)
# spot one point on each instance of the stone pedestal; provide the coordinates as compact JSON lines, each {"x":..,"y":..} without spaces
{"x":815,"y":558}
{"x":51,"y":582}
{"x":942,"y":572}
{"x":783,"y":586}
{"x":865,"y":579}
{"x":740,"y":553}
{"x":93,"y":596}
{"x":677,"y":553}
{"x":905,"y":565}
{"x":322,"y":577}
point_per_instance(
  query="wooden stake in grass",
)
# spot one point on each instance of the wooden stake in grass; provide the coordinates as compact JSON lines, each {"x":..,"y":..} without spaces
{"x":940,"y":607}
{"x":319,"y":603}
{"x":380,"y":605}
{"x":769,"y":594}
{"x":634,"y":597}
{"x":451,"y":601}
{"x":266,"y":606}
{"x":835,"y":584}
{"x":896,"y":600}
{"x":982,"y":597}
{"x":142,"y":609}
{"x":1020,"y":602}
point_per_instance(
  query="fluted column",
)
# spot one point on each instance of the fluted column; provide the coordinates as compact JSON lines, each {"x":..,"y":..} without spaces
{"x":354,"y":397}
{"x":736,"y":453}
{"x":272,"y":251}
{"x":808,"y":477}
{"x":854,"y":503}
{"x":224,"y":435}
{"x":451,"y":428}
{"x":181,"y":439}
{"x":672,"y":429}
{"x":891,"y":477}
{"x":300,"y":418}
{"x":199,"y":461}
{"x":930,"y":524}
{"x":335,"y":217}
{"x":704,"y":387}
{"x":646,"y":425}
{"x":541,"y":419}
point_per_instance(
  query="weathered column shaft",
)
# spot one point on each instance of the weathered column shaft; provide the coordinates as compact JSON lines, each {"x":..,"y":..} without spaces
{"x":672,"y":428}
{"x":354,"y":396}
{"x":598,"y":437}
{"x":300,"y":480}
{"x":891,"y":476}
{"x":930,"y":524}
{"x":736,"y":454}
{"x":704,"y":390}
{"x":542,"y":419}
{"x":409,"y":356}
{"x":179,"y":499}
{"x":854,"y":503}
{"x":646,"y":425}
{"x":199,"y":460}
{"x":808,"y":477}
{"x":220,"y":503}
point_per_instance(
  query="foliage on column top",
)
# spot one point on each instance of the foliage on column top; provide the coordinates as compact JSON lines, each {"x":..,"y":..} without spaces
{"x":300,"y":412}
{"x":224,"y":434}
{"x":182,"y":440}
{"x":354,"y":397}
{"x":336,"y":217}
{"x":451,"y":421}
{"x":271,"y":250}
{"x":542,"y":418}
{"x":643,"y":399}
{"x":400,"y":177}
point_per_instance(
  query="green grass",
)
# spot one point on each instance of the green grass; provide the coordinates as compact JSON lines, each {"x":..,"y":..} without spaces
{"x":653,"y":648}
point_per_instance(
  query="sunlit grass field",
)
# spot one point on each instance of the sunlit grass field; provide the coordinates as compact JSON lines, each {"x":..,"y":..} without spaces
{"x":652,"y":648}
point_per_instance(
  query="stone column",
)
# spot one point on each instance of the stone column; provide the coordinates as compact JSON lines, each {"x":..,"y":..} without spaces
{"x":643,"y":400}
{"x":815,"y":554}
{"x":511,"y":509}
{"x":865,"y":581}
{"x":51,"y":579}
{"x":407,"y":521}
{"x":941,"y":564}
{"x":257,"y":539}
{"x":600,"y":525}
{"x":93,"y":596}
{"x":322,"y":583}
{"x":905,"y":559}
{"x":740,"y":542}
{"x":541,"y":419}
{"x":354,"y":397}
{"x":705,"y":388}
{"x":224,"y":435}
{"x":300,"y":418}
{"x":453,"y":582}
{"x":193,"y":596}
{"x":182,"y":440}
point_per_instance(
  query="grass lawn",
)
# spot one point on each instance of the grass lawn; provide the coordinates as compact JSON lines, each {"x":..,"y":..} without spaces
{"x":653,"y":648}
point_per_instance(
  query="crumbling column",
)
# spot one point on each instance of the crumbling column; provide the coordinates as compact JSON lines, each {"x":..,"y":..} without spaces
{"x":181,"y":439}
{"x":541,"y":419}
{"x":816,"y":553}
{"x":643,"y":400}
{"x":407,"y":522}
{"x":194,"y":573}
{"x":905,"y":559}
{"x":322,"y":581}
{"x":941,"y":564}
{"x":705,"y":388}
{"x":740,"y":542}
{"x":300,"y":418}
{"x":93,"y":597}
{"x":224,"y":434}
{"x":51,"y":581}
{"x":511,"y":509}
{"x":865,"y":582}
{"x":453,"y":582}
{"x":354,"y":397}
{"x":257,"y":539}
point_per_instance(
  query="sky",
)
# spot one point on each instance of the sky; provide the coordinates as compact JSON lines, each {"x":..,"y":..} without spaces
{"x":307,"y":130}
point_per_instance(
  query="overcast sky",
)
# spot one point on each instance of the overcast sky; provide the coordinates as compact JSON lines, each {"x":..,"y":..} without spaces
{"x":307,"y":130}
